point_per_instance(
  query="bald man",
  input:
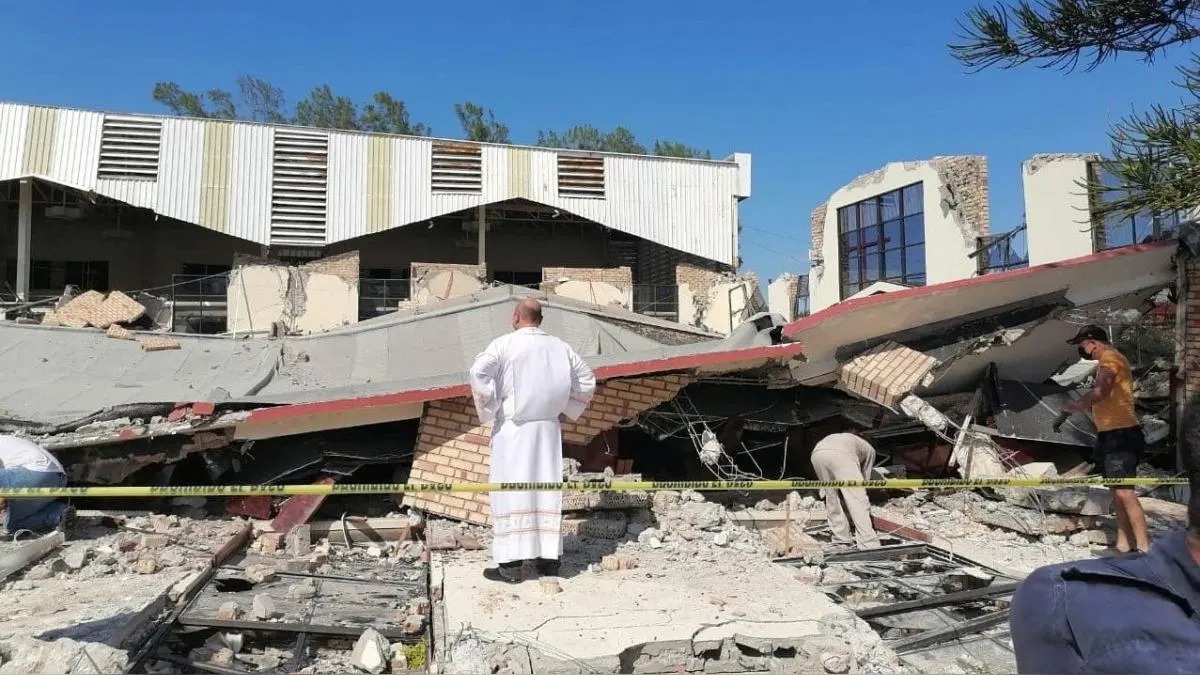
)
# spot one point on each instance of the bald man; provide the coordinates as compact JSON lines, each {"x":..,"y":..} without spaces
{"x":523,"y":384}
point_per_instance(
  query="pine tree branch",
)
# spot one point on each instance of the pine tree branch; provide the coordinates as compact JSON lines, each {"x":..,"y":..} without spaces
{"x":1064,"y":33}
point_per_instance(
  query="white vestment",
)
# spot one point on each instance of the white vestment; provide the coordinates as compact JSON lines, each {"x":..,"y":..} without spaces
{"x":521,"y":384}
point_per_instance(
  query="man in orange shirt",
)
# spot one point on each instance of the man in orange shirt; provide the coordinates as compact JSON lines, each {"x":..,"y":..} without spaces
{"x":1120,"y":442}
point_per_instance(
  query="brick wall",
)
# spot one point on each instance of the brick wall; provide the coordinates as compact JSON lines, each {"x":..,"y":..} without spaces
{"x":452,"y":446}
{"x":699,"y":279}
{"x":344,"y":265}
{"x":817,"y":221}
{"x":611,"y":275}
{"x":1190,"y":310}
{"x":967,"y":177}
{"x":884,"y":374}
{"x":419,"y":269}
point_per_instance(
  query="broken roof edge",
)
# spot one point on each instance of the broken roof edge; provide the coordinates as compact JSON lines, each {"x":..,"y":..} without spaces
{"x":496,"y":295}
{"x":792,"y":329}
{"x":433,"y":391}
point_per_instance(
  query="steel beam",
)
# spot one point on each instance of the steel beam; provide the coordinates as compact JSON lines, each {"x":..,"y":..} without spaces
{"x":936,"y":601}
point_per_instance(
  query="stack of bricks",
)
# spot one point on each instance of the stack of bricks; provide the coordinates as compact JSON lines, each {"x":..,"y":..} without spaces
{"x":452,"y":445}
{"x":886,"y":373}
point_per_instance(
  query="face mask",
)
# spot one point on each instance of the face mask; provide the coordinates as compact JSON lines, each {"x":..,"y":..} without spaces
{"x":1083,"y":354}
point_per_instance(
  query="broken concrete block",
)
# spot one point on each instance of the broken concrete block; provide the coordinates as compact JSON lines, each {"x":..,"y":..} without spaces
{"x":616,"y":563}
{"x":152,"y":541}
{"x":791,"y":541}
{"x":229,"y":611}
{"x":118,"y":333}
{"x":550,"y":586}
{"x":295,"y":566}
{"x":257,"y":574}
{"x":1089,"y":538}
{"x":418,"y":606}
{"x":264,"y":608}
{"x":372,"y":652}
{"x":270,"y":542}
{"x":299,"y":540}
{"x":158,"y":344}
{"x":414,"y":624}
{"x":302,"y":590}
{"x":76,"y":557}
{"x":836,"y":663}
{"x":127,"y":545}
{"x":146,"y":564}
{"x":223,"y":657}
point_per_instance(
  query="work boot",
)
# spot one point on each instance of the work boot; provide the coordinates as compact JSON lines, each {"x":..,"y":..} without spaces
{"x":548,"y":567}
{"x":506,"y":573}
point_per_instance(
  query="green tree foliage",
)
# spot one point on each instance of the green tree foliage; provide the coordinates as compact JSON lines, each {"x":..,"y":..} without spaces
{"x":256,"y":99}
{"x":676,"y":149}
{"x":479,"y":124}
{"x":1155,"y":158}
{"x":260,"y":101}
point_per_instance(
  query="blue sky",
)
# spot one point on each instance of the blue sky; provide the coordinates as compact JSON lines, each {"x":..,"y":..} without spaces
{"x":817,"y":92}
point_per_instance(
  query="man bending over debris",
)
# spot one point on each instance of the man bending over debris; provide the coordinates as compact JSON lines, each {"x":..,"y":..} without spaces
{"x":1119,"y":441}
{"x":1125,"y":614}
{"x":847,"y":457}
{"x":26,"y":464}
{"x":523,"y":383}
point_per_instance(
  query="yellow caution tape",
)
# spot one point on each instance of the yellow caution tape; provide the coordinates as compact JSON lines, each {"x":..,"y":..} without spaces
{"x":589,"y":486}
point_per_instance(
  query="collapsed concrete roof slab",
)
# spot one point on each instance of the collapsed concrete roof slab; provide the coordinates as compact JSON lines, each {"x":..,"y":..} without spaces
{"x":378,"y":370}
{"x":1114,"y":278}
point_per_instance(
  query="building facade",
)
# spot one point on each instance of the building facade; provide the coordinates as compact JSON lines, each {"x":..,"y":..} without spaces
{"x":918,"y":223}
{"x":105,"y":201}
{"x":907,"y":224}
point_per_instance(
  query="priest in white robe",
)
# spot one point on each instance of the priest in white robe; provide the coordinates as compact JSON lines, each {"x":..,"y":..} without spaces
{"x":523,"y":384}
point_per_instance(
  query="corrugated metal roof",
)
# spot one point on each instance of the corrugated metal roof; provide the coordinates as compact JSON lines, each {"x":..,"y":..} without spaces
{"x":685,"y":204}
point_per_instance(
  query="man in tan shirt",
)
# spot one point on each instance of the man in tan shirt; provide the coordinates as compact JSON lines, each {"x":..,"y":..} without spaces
{"x":847,"y":457}
{"x":1119,"y":441}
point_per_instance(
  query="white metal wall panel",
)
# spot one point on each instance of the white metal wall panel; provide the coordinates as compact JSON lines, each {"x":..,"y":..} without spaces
{"x":412,"y":163}
{"x":13,"y":121}
{"x":495,"y":173}
{"x":347,"y":210}
{"x":77,"y":148}
{"x":180,"y":163}
{"x":250,"y":183}
{"x":543,"y":175}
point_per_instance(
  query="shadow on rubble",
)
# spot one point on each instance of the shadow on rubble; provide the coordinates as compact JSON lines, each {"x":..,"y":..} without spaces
{"x":111,"y":630}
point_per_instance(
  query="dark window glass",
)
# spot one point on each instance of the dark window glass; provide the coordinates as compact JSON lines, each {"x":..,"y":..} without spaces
{"x":882,"y":238}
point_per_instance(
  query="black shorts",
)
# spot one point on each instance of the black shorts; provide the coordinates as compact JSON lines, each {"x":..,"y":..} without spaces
{"x":1119,"y":451}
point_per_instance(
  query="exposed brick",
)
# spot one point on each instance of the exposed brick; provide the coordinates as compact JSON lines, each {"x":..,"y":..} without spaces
{"x":612,"y":275}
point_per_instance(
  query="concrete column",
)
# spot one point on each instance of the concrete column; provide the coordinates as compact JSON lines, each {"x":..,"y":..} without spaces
{"x":24,"y":238}
{"x":482,"y":218}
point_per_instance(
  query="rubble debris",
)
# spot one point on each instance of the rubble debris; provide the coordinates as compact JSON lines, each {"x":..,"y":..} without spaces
{"x":263,"y":608}
{"x":119,"y":333}
{"x":158,"y":344}
{"x":372,"y":652}
{"x":229,"y":611}
{"x":615,"y":563}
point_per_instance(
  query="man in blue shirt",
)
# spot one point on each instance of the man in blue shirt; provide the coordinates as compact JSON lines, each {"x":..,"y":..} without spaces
{"x":1137,"y":613}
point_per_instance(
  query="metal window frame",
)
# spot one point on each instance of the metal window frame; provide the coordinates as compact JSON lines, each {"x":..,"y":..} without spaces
{"x":845,"y":257}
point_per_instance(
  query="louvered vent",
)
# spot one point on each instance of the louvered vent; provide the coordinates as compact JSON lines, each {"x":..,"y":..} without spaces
{"x":457,"y":167}
{"x":299,"y":184}
{"x":580,"y":176}
{"x":129,"y":148}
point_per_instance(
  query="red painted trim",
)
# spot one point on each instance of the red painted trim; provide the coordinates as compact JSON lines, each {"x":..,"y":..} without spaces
{"x":840,"y":308}
{"x":669,"y":363}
